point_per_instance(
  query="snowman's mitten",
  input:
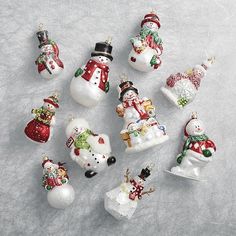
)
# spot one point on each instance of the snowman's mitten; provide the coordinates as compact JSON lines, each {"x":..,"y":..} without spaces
{"x":207,"y":153}
{"x":79,"y":72}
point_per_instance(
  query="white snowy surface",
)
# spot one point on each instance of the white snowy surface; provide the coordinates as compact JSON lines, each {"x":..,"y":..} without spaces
{"x":190,"y":31}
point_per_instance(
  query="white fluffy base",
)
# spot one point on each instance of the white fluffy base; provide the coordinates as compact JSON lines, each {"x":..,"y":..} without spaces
{"x":117,"y":210}
{"x":148,"y":144}
{"x":171,"y":97}
{"x":61,"y":197}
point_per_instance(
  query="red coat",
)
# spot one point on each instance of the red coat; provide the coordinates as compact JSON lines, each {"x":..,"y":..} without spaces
{"x":89,"y":70}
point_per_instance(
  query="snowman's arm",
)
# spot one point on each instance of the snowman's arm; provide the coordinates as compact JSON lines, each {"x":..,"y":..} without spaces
{"x":80,"y":71}
{"x":148,"y":192}
{"x":127,"y":174}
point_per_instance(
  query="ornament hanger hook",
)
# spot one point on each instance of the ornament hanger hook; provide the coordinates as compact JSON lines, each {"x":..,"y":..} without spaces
{"x":109,"y":39}
{"x":44,"y":156}
{"x":151,"y":166}
{"x":56,"y":93}
{"x":40,"y":26}
{"x":71,"y":117}
{"x":123,"y":77}
{"x":194,"y":115}
{"x":152,"y":11}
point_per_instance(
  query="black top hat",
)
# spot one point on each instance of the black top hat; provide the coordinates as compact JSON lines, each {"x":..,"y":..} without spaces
{"x":103,"y":49}
{"x":126,"y":86}
{"x":42,"y":37}
{"x":144,"y":173}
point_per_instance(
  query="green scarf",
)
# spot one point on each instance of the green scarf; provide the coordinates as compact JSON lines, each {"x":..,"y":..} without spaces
{"x":191,"y":138}
{"x":145,"y":32}
{"x":81,"y":140}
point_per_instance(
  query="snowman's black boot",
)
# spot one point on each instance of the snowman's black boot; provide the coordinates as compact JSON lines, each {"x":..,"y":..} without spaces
{"x":111,"y":160}
{"x":90,"y":173}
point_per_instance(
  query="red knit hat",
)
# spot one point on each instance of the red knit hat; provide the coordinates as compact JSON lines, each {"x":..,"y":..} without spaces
{"x":52,"y":100}
{"x":151,"y":17}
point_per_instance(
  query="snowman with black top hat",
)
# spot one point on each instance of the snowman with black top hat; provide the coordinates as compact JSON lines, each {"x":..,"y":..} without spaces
{"x":48,"y":62}
{"x":122,"y":201}
{"x":91,"y":81}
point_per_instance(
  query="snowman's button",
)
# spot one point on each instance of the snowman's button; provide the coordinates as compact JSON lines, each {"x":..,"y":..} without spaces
{"x":97,"y":162}
{"x":95,"y":83}
{"x":99,"y":71}
{"x":96,"y":77}
{"x":88,"y":164}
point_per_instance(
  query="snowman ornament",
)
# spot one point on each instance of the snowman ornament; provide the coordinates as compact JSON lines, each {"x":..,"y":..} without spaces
{"x":147,"y":46}
{"x":181,"y":88}
{"x":48,"y":63}
{"x":91,"y":151}
{"x":122,"y":201}
{"x":40,"y":129}
{"x":60,"y":194}
{"x":197,"y":151}
{"x":91,"y":81}
{"x":141,"y":129}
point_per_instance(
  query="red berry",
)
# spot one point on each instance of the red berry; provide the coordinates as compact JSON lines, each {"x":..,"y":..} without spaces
{"x":77,"y":151}
{"x":101,"y":140}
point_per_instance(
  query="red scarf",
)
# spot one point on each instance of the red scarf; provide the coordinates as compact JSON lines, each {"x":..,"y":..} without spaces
{"x":136,"y":103}
{"x":137,"y":192}
{"x":91,"y":67}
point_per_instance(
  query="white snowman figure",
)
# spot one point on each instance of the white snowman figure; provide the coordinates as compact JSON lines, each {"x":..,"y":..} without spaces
{"x":122,"y":201}
{"x":48,"y":62}
{"x":197,"y":151}
{"x":181,"y":88}
{"x":91,"y":151}
{"x":147,"y":46}
{"x":60,"y":193}
{"x":40,"y":129}
{"x":91,"y":82}
{"x":141,"y":129}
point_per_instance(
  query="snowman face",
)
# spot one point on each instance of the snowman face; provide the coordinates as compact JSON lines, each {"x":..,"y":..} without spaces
{"x":47,"y":48}
{"x":77,"y":131}
{"x":50,"y":167}
{"x":102,"y":59}
{"x":151,"y":25}
{"x":129,"y":95}
{"x":198,"y":73}
{"x":49,"y":107}
{"x":195,"y":127}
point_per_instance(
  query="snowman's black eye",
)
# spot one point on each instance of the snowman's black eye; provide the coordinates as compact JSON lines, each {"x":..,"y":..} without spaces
{"x":98,"y":162}
{"x":89,"y":150}
{"x":95,"y":158}
{"x":92,"y":154}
